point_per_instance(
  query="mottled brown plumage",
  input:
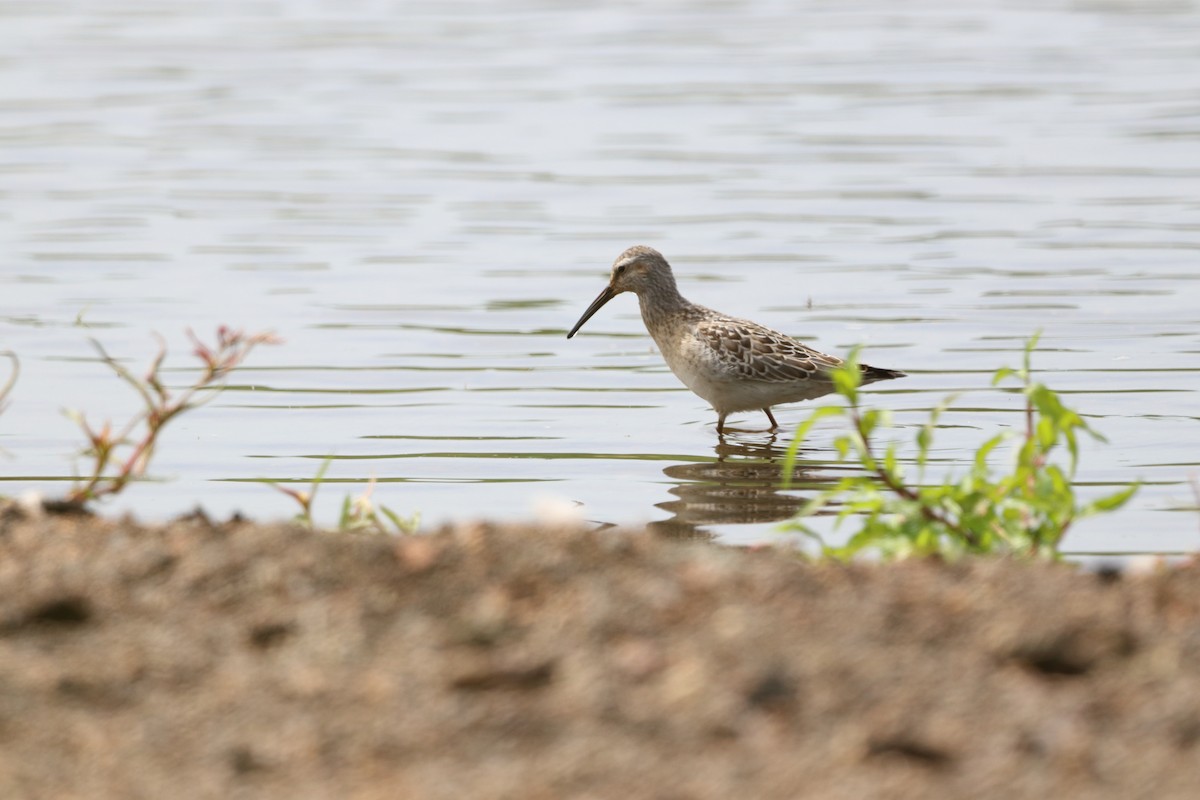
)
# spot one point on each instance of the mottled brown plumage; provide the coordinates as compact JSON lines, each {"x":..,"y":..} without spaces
{"x":734,"y":364}
{"x":755,"y":352}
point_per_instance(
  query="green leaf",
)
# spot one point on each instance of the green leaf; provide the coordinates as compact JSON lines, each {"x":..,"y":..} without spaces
{"x":848,"y":377}
{"x":318,"y":478}
{"x":1110,"y":502}
{"x":789,"y":460}
{"x":403,"y":525}
{"x":1003,"y":373}
{"x":1030,"y":346}
{"x":846,"y":384}
{"x":1047,"y":433}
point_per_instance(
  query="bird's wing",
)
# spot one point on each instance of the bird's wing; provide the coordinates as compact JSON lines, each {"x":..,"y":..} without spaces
{"x":754,"y":352}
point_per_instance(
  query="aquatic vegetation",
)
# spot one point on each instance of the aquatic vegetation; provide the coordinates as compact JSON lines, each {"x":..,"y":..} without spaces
{"x":1023,"y":510}
{"x":118,"y":456}
{"x":362,"y":515}
{"x":358,"y":515}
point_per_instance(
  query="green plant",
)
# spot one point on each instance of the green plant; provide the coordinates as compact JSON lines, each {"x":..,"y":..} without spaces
{"x":1025,"y":510}
{"x":358,"y":515}
{"x":118,"y":457}
{"x":361,"y":514}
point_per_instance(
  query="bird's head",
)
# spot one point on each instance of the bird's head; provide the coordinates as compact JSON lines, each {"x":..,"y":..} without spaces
{"x":639,"y":269}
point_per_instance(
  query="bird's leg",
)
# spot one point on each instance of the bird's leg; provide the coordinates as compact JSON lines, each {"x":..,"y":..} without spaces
{"x":721,"y":423}
{"x":774,"y":424}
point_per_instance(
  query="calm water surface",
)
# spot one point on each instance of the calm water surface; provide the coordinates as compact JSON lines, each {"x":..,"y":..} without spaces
{"x":422,"y":197}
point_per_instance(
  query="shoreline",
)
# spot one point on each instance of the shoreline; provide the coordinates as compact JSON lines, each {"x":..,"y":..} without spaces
{"x":248,"y":659}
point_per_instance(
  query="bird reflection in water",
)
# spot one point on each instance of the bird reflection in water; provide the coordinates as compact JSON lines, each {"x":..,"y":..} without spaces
{"x":743,"y":486}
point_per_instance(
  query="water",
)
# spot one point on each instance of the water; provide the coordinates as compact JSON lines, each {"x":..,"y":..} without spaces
{"x":422,"y":198}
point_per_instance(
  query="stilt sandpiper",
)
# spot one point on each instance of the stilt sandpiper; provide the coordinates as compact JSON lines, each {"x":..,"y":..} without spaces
{"x":734,"y":364}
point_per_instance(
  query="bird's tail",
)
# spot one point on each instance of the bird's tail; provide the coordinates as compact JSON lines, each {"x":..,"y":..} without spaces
{"x":871,"y":374}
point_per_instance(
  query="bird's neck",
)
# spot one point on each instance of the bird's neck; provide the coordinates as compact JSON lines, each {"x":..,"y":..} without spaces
{"x":661,"y":302}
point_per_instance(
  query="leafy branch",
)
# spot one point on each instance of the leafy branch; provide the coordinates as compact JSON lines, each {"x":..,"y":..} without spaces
{"x":1026,"y":510}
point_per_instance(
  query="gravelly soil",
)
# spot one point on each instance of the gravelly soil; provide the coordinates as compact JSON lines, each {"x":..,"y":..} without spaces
{"x":243,"y":660}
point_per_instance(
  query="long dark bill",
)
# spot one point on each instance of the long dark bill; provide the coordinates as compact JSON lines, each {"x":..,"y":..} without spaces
{"x":597,"y":304}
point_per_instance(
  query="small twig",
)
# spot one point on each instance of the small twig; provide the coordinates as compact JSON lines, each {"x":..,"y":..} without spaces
{"x":159,"y":408}
{"x":305,"y":498}
{"x":124,"y":374}
{"x":12,"y":378}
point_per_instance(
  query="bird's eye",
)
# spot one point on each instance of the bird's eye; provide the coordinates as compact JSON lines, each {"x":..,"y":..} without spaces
{"x":620,"y":269}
